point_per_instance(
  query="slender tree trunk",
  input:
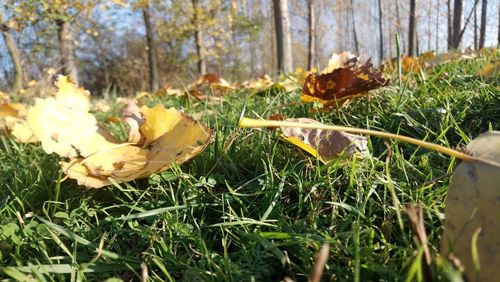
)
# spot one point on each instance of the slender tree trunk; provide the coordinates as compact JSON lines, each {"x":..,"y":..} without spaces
{"x":311,"y":54}
{"x":283,"y":36}
{"x":498,"y":30}
{"x":399,"y":28}
{"x":450,"y":30}
{"x":66,"y":49}
{"x":476,"y":41}
{"x":391,"y":30}
{"x":250,"y":12}
{"x":457,"y":22}
{"x":417,"y":44}
{"x":380,"y":33}
{"x":429,"y":24}
{"x":152,"y":58}
{"x":354,"y":33}
{"x":437,"y":26}
{"x":459,"y":37}
{"x":15,"y":56}
{"x":411,"y":29}
{"x":198,"y":37}
{"x":482,"y":32}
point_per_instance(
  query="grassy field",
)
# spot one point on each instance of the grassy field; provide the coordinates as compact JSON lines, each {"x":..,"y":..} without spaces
{"x":252,"y":207}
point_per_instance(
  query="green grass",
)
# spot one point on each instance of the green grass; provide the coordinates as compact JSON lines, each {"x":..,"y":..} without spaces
{"x":252,"y":207}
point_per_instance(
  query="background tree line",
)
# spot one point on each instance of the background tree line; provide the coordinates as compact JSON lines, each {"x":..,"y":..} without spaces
{"x":134,"y":45}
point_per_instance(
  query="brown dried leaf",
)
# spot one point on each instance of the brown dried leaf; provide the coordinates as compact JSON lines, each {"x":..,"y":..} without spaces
{"x":334,"y":89}
{"x":327,"y":145}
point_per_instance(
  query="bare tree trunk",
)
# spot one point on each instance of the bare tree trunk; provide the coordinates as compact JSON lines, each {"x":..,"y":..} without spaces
{"x":250,"y":12}
{"x":429,"y":24}
{"x":15,"y":56}
{"x":411,"y":29}
{"x":417,"y":44}
{"x":475,"y":30}
{"x":283,"y":35}
{"x":198,"y":37}
{"x":457,"y":22}
{"x":311,"y":54}
{"x":381,"y":33}
{"x":152,"y":59}
{"x":450,"y":30}
{"x":66,"y":48}
{"x":391,"y":29}
{"x":498,"y":31}
{"x":398,"y":24}
{"x":482,"y":32}
{"x":459,"y":36}
{"x":437,"y":26}
{"x":354,"y":33}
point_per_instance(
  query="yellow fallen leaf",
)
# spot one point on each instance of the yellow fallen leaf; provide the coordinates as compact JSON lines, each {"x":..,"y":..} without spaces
{"x":20,"y":130}
{"x":12,"y":122}
{"x":142,"y":94}
{"x":410,"y":64}
{"x":491,"y":70}
{"x":66,"y":131}
{"x":326,"y":145}
{"x":4,"y":98}
{"x":167,"y":90}
{"x":161,"y":137}
{"x":75,"y":170}
{"x":218,"y":85}
{"x":101,"y":106}
{"x":472,"y":225}
{"x":51,"y":71}
{"x":119,"y":162}
{"x":157,"y":121}
{"x":257,"y":85}
{"x":183,"y":141}
{"x":179,"y":143}
{"x":8,"y":110}
{"x":71,"y":95}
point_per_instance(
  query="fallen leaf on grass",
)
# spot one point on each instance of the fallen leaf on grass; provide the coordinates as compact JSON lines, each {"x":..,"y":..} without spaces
{"x":217,"y":84}
{"x":64,"y":125}
{"x":20,"y":130}
{"x":157,"y":121}
{"x":326,"y":145}
{"x":160,"y":137}
{"x":491,"y":70}
{"x":347,"y":82}
{"x":12,"y":109}
{"x":12,"y":121}
{"x":181,"y":141}
{"x":257,"y":85}
{"x":199,"y":96}
{"x":4,"y":98}
{"x":101,"y":106}
{"x":168,"y":90}
{"x":472,"y":208}
{"x":411,"y":64}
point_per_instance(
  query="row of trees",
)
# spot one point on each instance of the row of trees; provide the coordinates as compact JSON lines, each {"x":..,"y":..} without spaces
{"x":122,"y":42}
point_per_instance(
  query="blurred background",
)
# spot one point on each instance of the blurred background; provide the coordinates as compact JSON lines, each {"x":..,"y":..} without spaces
{"x":131,"y":46}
